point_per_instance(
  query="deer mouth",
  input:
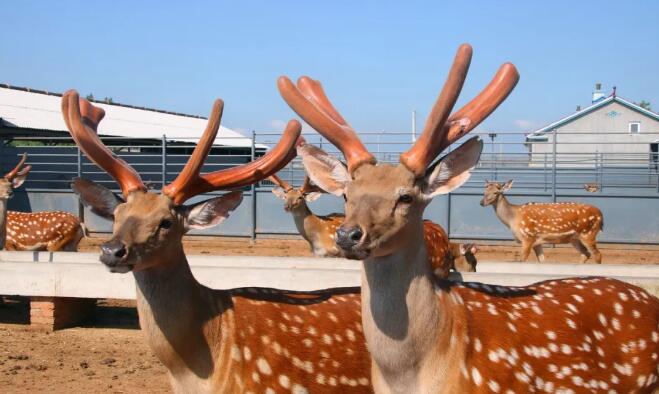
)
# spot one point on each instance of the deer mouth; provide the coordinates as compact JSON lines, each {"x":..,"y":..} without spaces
{"x":120,"y":269}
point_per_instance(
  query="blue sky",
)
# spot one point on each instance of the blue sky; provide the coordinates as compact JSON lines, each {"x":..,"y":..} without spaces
{"x":377,"y":60}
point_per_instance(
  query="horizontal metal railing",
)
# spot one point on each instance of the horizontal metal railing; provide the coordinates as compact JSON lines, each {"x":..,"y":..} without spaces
{"x":610,"y":165}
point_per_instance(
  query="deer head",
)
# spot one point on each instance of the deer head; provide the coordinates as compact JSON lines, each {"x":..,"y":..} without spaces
{"x":384,"y":202}
{"x":14,"y":178}
{"x":150,"y":225}
{"x":464,"y":257}
{"x":493,"y":190}
{"x":295,"y":198}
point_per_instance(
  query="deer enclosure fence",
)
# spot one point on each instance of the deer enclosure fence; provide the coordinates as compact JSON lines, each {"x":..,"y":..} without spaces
{"x":617,"y":172}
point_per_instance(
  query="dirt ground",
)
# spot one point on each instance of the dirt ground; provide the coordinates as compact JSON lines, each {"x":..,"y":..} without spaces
{"x":109,"y":354}
{"x":611,"y":253}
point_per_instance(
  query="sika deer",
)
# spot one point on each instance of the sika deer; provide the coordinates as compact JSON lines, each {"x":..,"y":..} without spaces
{"x":50,"y":230}
{"x":246,"y":340}
{"x":533,"y":224}
{"x":433,"y":336}
{"x":319,"y":231}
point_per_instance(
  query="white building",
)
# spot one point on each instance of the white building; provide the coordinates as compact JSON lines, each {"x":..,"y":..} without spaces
{"x":612,"y":131}
{"x":30,"y":112}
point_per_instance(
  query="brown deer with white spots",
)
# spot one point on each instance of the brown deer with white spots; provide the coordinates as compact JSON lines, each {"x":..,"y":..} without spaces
{"x":50,"y":230}
{"x":534,"y":224}
{"x":246,"y":340}
{"x":320,"y":231}
{"x":317,"y":230}
{"x":427,"y":335}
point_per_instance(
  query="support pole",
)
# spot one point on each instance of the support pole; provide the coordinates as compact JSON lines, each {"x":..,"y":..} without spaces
{"x":253,"y":189}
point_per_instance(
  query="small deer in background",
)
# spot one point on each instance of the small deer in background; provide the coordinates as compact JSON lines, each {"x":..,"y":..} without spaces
{"x":320,"y":231}
{"x":50,"y":230}
{"x":444,"y":255}
{"x":534,"y":224}
{"x":591,"y":187}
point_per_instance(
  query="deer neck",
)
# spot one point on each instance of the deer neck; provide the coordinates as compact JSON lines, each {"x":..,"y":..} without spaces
{"x":176,"y":314}
{"x":304,"y":219}
{"x":504,"y":210}
{"x":401,"y":315}
{"x":3,"y":222}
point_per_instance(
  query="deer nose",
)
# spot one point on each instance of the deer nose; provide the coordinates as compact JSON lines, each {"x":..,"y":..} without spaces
{"x":348,"y":237}
{"x":112,"y":252}
{"x":482,"y":202}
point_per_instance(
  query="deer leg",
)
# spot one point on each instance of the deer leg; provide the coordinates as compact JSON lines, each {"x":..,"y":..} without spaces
{"x":539,"y":253}
{"x":591,"y":245}
{"x":583,"y":251}
{"x":526,"y":250}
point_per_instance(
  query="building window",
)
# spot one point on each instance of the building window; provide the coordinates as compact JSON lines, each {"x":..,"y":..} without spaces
{"x":634,"y":127}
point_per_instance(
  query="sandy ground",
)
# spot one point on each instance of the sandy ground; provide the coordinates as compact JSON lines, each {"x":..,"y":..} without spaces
{"x":109,"y":354}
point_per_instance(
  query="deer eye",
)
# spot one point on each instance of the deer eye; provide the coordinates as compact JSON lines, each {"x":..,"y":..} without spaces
{"x":165,"y":224}
{"x":405,"y":198}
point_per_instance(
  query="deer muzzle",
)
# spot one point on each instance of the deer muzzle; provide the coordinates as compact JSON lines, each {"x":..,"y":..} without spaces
{"x":114,"y":255}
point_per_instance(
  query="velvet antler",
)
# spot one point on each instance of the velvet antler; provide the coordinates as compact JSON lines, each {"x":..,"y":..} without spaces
{"x":82,"y":119}
{"x":309,"y":101}
{"x":19,"y":169}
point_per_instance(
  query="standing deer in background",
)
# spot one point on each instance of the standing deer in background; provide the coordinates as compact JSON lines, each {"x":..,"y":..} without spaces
{"x":320,"y":231}
{"x":433,"y":336}
{"x":534,"y":224}
{"x":51,"y":230}
{"x":246,"y":340}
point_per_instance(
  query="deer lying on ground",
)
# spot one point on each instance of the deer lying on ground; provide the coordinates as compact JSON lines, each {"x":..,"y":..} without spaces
{"x":433,"y":336}
{"x":50,"y":230}
{"x":534,"y":224}
{"x":246,"y":340}
{"x":320,"y":231}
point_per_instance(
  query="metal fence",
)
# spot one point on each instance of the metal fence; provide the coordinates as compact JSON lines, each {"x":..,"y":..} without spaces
{"x":617,"y":173}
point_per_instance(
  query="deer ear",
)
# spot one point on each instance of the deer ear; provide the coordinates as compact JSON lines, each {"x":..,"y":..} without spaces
{"x":210,"y":212}
{"x":325,"y":170}
{"x":279,"y":192}
{"x":463,"y":250}
{"x":312,"y":196}
{"x":99,"y":199}
{"x":454,"y":169}
{"x":506,"y":186}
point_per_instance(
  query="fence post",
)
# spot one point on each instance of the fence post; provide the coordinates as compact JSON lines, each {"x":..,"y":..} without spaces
{"x":544,"y":173}
{"x":253,"y":187}
{"x":553,"y":166}
{"x":81,"y":208}
{"x":164,"y":160}
{"x":2,"y":154}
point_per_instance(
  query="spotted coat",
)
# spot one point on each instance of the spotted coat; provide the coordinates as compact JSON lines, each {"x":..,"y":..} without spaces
{"x":50,"y":231}
{"x":579,"y":335}
{"x":557,"y":222}
{"x":293,"y":342}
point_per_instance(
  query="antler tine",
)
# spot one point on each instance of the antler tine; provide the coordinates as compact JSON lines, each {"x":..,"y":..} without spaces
{"x":82,"y":118}
{"x":474,"y":112}
{"x":19,"y":170}
{"x":310,"y":102}
{"x":245,"y":174}
{"x":428,"y":146}
{"x":190,"y":172}
{"x":279,"y":182}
